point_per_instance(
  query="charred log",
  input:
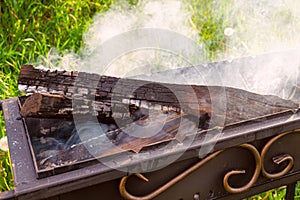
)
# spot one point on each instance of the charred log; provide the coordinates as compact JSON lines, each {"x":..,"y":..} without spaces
{"x":84,"y":93}
{"x":60,"y":96}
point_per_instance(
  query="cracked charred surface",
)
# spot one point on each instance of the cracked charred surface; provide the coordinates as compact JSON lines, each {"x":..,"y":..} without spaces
{"x":84,"y":93}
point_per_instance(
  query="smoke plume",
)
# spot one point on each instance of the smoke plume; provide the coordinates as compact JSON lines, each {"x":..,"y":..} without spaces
{"x":263,"y":32}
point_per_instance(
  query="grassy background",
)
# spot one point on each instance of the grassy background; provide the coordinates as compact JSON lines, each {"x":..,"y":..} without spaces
{"x":29,"y":29}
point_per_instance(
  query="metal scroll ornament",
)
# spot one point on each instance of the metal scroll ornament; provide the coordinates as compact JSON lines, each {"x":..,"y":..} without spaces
{"x":277,"y":159}
{"x":259,"y":167}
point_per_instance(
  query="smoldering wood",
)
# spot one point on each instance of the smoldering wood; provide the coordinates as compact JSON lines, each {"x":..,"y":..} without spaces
{"x":87,"y":85}
{"x":63,"y":95}
{"x":50,"y":106}
{"x":74,"y":87}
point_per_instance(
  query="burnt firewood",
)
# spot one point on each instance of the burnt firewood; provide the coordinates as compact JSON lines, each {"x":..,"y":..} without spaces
{"x":71,"y":93}
{"x":93,"y":86}
{"x":58,"y":106}
{"x":168,"y":111}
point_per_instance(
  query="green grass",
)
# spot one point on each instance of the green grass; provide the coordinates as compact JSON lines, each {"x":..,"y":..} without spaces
{"x":210,"y":20}
{"x":30,"y":29}
{"x":275,"y":194}
{"x":6,"y":179}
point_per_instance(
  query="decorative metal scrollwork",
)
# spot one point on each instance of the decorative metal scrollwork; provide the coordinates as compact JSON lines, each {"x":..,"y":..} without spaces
{"x":125,"y":194}
{"x":259,"y":167}
{"x":255,"y":176}
{"x":278,"y":159}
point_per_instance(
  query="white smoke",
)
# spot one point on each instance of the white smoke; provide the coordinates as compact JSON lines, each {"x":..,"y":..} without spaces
{"x":260,"y":26}
{"x":263,"y":26}
{"x":170,"y":15}
{"x":167,"y":14}
{"x":269,"y":29}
